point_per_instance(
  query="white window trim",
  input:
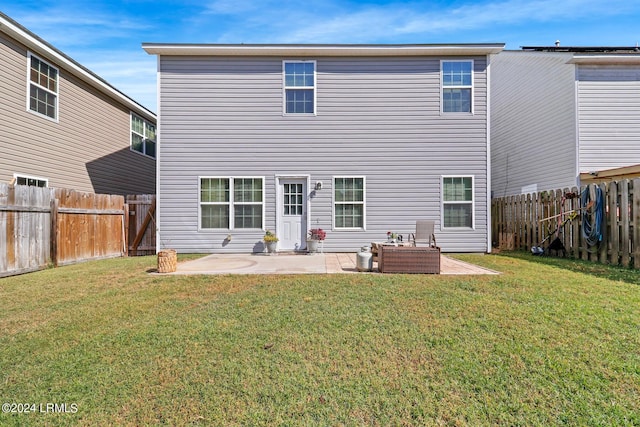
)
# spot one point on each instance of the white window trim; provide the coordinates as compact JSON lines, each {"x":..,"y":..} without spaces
{"x":25,"y":176}
{"x":285,"y":87}
{"x":144,"y":137}
{"x":472,"y":201}
{"x":29,"y":83}
{"x":472,"y":87}
{"x":230,"y":203}
{"x":364,"y":204}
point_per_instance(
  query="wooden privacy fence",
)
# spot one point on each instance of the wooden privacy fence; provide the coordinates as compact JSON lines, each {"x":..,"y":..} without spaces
{"x":535,"y":220}
{"x":47,"y":226}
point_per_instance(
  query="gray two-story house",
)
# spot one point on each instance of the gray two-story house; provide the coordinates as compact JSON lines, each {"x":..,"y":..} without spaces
{"x":564,"y":116}
{"x":61,"y":125}
{"x":358,"y":140}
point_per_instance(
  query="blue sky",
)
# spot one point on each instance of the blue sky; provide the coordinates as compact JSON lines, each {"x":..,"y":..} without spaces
{"x":106,"y":35}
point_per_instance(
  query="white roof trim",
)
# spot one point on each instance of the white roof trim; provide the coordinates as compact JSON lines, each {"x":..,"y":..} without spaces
{"x":619,"y":58}
{"x":321,"y":50}
{"x":34,"y":43}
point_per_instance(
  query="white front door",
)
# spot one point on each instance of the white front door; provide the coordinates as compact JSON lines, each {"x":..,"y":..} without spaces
{"x":292,"y":214}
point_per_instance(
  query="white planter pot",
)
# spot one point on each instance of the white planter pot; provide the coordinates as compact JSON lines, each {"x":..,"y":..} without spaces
{"x":312,"y":246}
{"x":271,"y":247}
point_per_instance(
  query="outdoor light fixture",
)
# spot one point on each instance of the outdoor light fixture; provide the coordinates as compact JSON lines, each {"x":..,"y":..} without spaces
{"x":318,"y":185}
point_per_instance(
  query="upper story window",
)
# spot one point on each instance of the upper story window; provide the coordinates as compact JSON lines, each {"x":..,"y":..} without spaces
{"x":299,"y":87}
{"x":457,"y":86}
{"x":143,"y":136}
{"x":43,"y":88}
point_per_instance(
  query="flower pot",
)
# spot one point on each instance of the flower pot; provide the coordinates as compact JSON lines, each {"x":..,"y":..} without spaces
{"x":312,"y":246}
{"x":271,"y":247}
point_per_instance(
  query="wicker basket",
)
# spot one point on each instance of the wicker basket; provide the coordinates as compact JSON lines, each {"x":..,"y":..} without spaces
{"x":409,"y":259}
{"x":167,"y":261}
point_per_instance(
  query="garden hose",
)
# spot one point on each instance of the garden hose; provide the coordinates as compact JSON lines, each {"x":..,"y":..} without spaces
{"x":592,"y":216}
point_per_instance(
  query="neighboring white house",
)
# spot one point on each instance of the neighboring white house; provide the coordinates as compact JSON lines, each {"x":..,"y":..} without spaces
{"x":564,"y":116}
{"x":64,"y":126}
{"x":356,"y":139}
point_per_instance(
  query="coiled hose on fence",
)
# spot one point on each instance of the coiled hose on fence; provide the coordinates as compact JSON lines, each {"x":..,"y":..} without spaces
{"x":592,"y":215}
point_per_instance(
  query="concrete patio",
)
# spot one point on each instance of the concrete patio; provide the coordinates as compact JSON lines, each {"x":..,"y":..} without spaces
{"x":285,"y":263}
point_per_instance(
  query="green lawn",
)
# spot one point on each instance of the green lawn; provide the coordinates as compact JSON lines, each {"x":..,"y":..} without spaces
{"x":548,"y":342}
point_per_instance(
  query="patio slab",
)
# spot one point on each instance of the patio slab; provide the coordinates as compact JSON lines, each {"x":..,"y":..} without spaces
{"x":285,"y":263}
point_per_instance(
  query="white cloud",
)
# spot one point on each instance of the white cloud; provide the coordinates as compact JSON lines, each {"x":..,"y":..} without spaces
{"x":340,"y":22}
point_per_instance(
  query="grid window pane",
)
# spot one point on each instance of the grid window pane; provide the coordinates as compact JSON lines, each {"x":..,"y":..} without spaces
{"x":293,"y":199}
{"x":349,"y":216}
{"x":457,"y":189}
{"x":456,"y":73}
{"x":42,"y":102}
{"x":299,"y":101}
{"x":247,"y":190}
{"x":214,"y":190}
{"x":214,"y":216}
{"x":137,"y":143}
{"x":247,"y":216}
{"x":456,"y":100}
{"x":349,"y":190}
{"x":458,"y":215}
{"x":150,"y":147}
{"x":299,"y":74}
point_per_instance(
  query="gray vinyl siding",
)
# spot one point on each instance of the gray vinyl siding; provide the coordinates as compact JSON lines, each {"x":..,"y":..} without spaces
{"x":376,"y":117}
{"x":609,"y":116}
{"x":87,"y":149}
{"x":533,"y":122}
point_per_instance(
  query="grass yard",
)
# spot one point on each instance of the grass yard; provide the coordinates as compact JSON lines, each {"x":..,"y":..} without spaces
{"x":548,"y":342}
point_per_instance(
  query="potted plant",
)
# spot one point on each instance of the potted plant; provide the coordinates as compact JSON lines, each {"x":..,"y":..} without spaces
{"x":315,"y":235}
{"x":270,"y":241}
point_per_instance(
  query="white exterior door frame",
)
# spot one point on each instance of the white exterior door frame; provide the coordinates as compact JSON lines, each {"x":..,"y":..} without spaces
{"x":306,"y":180}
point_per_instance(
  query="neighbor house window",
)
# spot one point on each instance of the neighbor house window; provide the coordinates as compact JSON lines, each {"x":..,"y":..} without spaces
{"x":457,"y":86}
{"x":299,"y":87}
{"x":222,"y":207}
{"x":31,"y":181}
{"x":349,"y":206}
{"x":457,"y":202}
{"x":43,"y":88}
{"x":143,"y":136}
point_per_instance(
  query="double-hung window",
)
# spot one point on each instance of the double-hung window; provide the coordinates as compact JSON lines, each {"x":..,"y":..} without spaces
{"x":457,"y":202}
{"x":299,"y":87}
{"x":349,"y":207}
{"x":143,"y":136}
{"x":231,"y":203}
{"x":43,"y":88}
{"x":457,"y":86}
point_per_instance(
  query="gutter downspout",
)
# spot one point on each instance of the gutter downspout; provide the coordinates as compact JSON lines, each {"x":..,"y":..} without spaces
{"x":488,"y":171}
{"x":158,"y":156}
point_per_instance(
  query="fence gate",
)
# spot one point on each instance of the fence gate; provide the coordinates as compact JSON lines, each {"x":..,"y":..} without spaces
{"x":142,"y":224}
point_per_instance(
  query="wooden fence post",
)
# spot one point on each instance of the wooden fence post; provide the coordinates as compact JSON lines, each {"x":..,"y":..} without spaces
{"x":635,"y":211}
{"x":125,"y":228}
{"x":55,"y":204}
